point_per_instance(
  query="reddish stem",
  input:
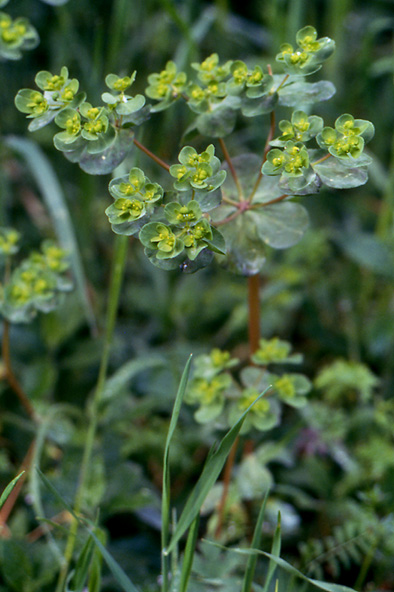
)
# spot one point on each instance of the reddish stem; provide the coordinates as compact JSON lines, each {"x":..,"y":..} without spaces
{"x":158,"y":160}
{"x":226,"y":484}
{"x":10,"y":376}
{"x":254,"y":312}
{"x":233,"y":172}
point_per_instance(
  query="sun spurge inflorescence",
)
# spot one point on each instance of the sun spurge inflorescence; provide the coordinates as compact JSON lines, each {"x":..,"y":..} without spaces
{"x":232,"y":210}
{"x":36,"y":284}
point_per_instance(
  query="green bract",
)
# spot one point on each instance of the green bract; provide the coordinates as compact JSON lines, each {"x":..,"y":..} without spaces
{"x":291,"y":388}
{"x":16,"y":36}
{"x":211,"y":71}
{"x":273,"y":351}
{"x":160,"y":238}
{"x":308,"y":56}
{"x":301,"y":128}
{"x":35,"y":285}
{"x":197,"y":171}
{"x":166,"y":86}
{"x":134,"y":198}
{"x":347,"y":140}
{"x":264,"y":415}
{"x":9,"y":239}
{"x":123,"y":104}
{"x":292,"y":161}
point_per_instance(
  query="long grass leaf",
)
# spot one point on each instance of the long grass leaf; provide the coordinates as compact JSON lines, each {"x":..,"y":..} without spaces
{"x":56,"y":494}
{"x":208,"y":477}
{"x":287,"y":567}
{"x":126,"y":372}
{"x":275,"y":552}
{"x":188,"y":555}
{"x":114,"y":567}
{"x":252,"y":559}
{"x":165,"y":503}
{"x":118,"y":573}
{"x":54,"y":198}
{"x":9,"y":488}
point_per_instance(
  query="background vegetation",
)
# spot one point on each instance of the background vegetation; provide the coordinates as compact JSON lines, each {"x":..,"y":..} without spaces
{"x":330,"y":466}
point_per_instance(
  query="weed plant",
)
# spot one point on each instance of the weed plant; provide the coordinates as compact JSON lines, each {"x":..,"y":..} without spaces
{"x":251,"y":467}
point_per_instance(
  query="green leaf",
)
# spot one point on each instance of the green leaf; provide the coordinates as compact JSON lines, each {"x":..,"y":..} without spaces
{"x":9,"y":488}
{"x":281,"y":225}
{"x":287,"y":567}
{"x":334,"y":173}
{"x":210,"y":473}
{"x":118,"y":573}
{"x":16,"y":566}
{"x":217,"y":123}
{"x":252,"y":559}
{"x":305,"y":93}
{"x":106,"y":161}
{"x":259,"y":106}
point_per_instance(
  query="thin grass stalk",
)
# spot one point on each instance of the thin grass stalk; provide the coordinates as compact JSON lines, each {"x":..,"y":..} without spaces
{"x":119,"y":261}
{"x":188,"y":556}
{"x":252,"y":559}
{"x":165,"y":499}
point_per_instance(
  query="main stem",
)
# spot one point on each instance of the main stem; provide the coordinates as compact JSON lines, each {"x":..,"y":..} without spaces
{"x":10,"y":376}
{"x":254,"y":338}
{"x":114,"y":291}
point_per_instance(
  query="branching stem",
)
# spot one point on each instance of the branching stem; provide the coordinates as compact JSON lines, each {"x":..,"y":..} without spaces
{"x":146,"y":150}
{"x":231,"y":167}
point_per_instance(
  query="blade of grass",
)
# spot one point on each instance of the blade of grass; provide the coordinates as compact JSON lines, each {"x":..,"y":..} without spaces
{"x":252,"y":560}
{"x":208,"y":477}
{"x":55,"y":200}
{"x":165,"y":503}
{"x":9,"y":488}
{"x":114,"y":567}
{"x":275,"y":552}
{"x":286,"y":567}
{"x":188,"y":556}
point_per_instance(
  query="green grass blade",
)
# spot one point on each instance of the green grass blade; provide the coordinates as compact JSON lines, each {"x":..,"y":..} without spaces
{"x":82,"y":566}
{"x":208,"y":477}
{"x":252,"y":559}
{"x":9,"y":488}
{"x":275,"y":552}
{"x":126,"y":372}
{"x":165,"y":503}
{"x":287,"y":567}
{"x":54,"y":198}
{"x":188,"y":556}
{"x":56,"y":494}
{"x":114,"y":567}
{"x":118,"y":573}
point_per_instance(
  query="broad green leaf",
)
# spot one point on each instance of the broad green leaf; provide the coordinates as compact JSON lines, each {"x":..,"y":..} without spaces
{"x":209,"y":475}
{"x":254,"y":107}
{"x":105,"y":162}
{"x":244,"y":247}
{"x":305,"y":93}
{"x":9,"y":488}
{"x":335,"y":174}
{"x":280,"y":225}
{"x":217,"y":123}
